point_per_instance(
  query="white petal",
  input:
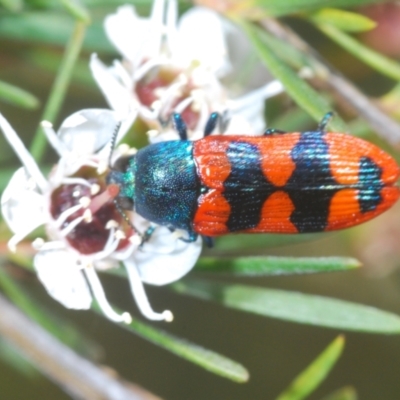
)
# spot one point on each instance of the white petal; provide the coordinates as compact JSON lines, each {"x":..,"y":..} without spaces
{"x":23,"y":154}
{"x":118,"y":95}
{"x":165,"y":258}
{"x":23,"y":208}
{"x":156,"y":29}
{"x":136,"y":38}
{"x":258,"y":96}
{"x":246,"y":66}
{"x":87,"y":131}
{"x":201,"y":38}
{"x":126,"y":31}
{"x":238,"y":125}
{"x":251,"y":105}
{"x":126,"y":124}
{"x":171,"y":22}
{"x":61,"y":276}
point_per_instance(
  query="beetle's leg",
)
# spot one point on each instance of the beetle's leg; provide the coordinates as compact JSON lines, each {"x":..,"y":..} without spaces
{"x":209,"y":241}
{"x":147,"y":235}
{"x":192,"y":237}
{"x":211,"y":124}
{"x":180,"y":126}
{"x":325,"y":121}
{"x":274,"y":131}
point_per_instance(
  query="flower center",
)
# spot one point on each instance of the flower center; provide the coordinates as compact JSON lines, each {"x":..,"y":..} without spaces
{"x":158,"y":84}
{"x":91,"y":233}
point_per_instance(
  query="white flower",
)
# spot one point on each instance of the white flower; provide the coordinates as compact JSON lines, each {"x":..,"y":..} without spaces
{"x":179,"y":67}
{"x":85,"y":231}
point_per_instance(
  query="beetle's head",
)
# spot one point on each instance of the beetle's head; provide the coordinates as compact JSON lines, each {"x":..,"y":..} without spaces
{"x":122,"y":174}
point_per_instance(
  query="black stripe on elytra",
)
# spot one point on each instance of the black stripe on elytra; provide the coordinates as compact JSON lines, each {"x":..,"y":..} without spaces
{"x":370,"y":183}
{"x":246,"y":187}
{"x":311,"y":186}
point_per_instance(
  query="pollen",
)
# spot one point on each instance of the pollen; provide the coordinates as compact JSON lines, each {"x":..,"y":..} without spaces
{"x":123,"y":149}
{"x":112,"y":224}
{"x":102,"y":167}
{"x":94,"y":189}
{"x":119,"y":235}
{"x":135,"y":240}
{"x":152,"y":133}
{"x":87,"y":216}
{"x":46,"y":124}
{"x":84,"y":201}
{"x":38,"y":243}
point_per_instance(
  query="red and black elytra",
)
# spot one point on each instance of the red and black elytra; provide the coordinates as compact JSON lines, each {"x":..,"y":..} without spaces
{"x":280,"y":182}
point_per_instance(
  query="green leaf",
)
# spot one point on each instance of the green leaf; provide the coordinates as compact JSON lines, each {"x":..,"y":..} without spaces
{"x":65,"y":332}
{"x":50,"y":62}
{"x":5,"y":175}
{"x":242,"y":242}
{"x":12,"y":5}
{"x":294,"y":306}
{"x":260,"y":266}
{"x":302,"y":93}
{"x":285,"y":7}
{"x":308,"y":380}
{"x":13,"y":358}
{"x":345,"y":393}
{"x":344,"y":20}
{"x":17,"y":96}
{"x":52,"y":28}
{"x":372,"y":58}
{"x":59,"y":88}
{"x":77,"y":10}
{"x":205,"y":358}
{"x":291,"y":120}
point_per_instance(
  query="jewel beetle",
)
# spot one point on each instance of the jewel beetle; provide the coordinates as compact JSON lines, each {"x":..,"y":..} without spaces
{"x":280,"y":182}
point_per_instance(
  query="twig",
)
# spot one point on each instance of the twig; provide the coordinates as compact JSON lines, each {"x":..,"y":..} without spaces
{"x":379,"y":121}
{"x":76,"y":375}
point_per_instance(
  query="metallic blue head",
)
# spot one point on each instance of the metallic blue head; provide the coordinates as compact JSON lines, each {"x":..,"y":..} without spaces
{"x":123,"y":174}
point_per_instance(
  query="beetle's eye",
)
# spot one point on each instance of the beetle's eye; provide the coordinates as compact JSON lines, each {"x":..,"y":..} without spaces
{"x":125,"y":203}
{"x":122,"y":164}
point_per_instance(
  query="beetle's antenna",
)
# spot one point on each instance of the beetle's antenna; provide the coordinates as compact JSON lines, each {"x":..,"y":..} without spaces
{"x":113,"y":141}
{"x":126,"y":218}
{"x":116,"y":203}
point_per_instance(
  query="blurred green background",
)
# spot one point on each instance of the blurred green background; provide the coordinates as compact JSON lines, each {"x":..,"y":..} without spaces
{"x":273,"y":351}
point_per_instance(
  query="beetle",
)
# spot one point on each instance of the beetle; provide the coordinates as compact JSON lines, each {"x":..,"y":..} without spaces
{"x":280,"y":182}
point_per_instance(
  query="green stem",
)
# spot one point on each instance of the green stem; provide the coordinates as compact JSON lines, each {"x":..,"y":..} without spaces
{"x":59,"y":88}
{"x":375,"y":60}
{"x":302,"y":93}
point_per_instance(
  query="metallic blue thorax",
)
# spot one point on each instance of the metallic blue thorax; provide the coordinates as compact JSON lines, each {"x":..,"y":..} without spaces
{"x":166,"y":184}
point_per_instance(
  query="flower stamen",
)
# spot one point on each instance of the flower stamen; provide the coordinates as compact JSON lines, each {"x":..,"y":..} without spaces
{"x":110,"y":246}
{"x":53,"y":139}
{"x":23,"y":154}
{"x":99,"y":295}
{"x":66,"y":214}
{"x":141,"y":299}
{"x":75,"y":181}
{"x":72,"y":225}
